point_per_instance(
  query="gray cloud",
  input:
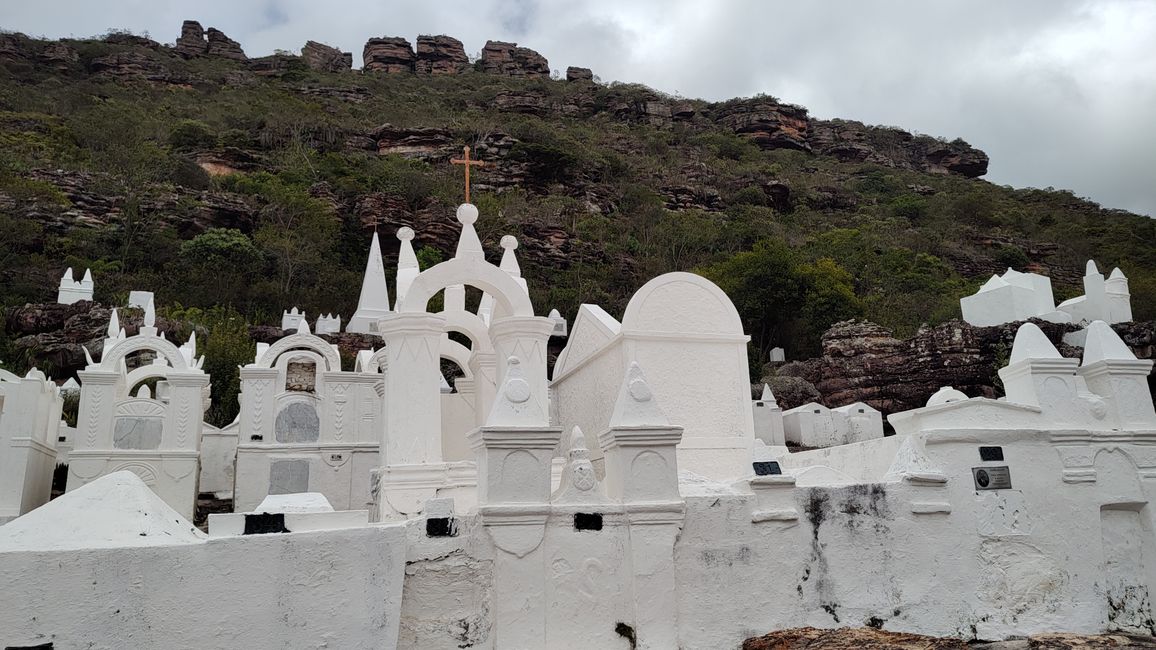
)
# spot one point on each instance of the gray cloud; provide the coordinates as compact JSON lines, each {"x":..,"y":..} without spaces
{"x":1059,"y":92}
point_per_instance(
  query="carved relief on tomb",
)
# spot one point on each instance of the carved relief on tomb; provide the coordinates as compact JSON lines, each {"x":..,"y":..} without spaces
{"x":145,"y":472}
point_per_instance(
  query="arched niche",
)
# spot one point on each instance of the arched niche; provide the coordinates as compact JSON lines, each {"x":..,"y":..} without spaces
{"x":448,"y":349}
{"x":472,"y":326}
{"x":111,"y":360}
{"x":682,"y":303}
{"x":509,"y":296}
{"x":301,"y":342}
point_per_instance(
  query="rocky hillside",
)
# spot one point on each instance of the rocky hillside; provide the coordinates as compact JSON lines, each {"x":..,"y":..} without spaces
{"x":249,"y":185}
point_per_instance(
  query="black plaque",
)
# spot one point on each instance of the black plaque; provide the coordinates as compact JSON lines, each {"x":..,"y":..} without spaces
{"x":441,"y":527}
{"x":992,"y":478}
{"x":991,"y":453}
{"x":767,"y":468}
{"x":587,"y":521}
{"x":265,"y":522}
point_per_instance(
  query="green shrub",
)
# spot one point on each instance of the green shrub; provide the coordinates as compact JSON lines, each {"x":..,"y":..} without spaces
{"x":190,"y":135}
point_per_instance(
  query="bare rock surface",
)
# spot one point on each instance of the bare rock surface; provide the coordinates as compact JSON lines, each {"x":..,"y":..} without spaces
{"x":319,"y":56}
{"x":440,"y":55}
{"x":579,"y":74}
{"x":499,"y":57}
{"x":388,"y":54}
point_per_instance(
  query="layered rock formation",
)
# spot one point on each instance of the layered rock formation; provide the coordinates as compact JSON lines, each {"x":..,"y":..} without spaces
{"x":766,"y":122}
{"x":863,"y":362}
{"x":196,"y":41}
{"x":440,"y":55}
{"x":499,"y":57}
{"x":852,"y":141}
{"x":579,"y":74}
{"x":388,"y":54}
{"x":318,"y":56}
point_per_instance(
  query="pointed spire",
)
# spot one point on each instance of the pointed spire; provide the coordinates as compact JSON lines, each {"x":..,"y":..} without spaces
{"x":515,"y":404}
{"x":87,"y":357}
{"x":636,"y":405}
{"x":768,"y":396}
{"x":144,"y":392}
{"x":67,"y":275}
{"x":1103,"y":344}
{"x":509,"y":263}
{"x":1117,"y":274}
{"x":1030,"y":343}
{"x":1091,"y":269}
{"x":113,"y":324}
{"x":192,"y":343}
{"x":468,"y":243}
{"x":374,"y":290}
{"x":150,"y":314}
{"x":303,"y":326}
{"x":407,"y":267}
{"x":87,"y":276}
{"x":994,"y":283}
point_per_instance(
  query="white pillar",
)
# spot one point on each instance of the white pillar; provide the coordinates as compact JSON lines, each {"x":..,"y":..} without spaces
{"x":526,"y":338}
{"x":258,"y":406}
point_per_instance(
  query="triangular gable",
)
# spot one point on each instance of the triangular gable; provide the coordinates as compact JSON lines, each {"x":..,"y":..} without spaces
{"x":593,"y":330}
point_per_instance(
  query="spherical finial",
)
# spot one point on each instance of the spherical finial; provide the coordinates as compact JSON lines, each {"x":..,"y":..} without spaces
{"x":405,"y":233}
{"x":509,"y":242}
{"x":467,"y":214}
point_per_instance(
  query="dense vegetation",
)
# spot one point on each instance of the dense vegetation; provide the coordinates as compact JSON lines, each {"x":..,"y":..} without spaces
{"x":895,"y":246}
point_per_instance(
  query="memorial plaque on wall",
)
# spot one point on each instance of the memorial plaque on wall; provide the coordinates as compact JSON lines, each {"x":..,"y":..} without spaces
{"x":992,"y":478}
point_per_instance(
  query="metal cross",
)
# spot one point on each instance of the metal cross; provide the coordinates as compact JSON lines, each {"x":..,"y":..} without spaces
{"x":465,"y":161}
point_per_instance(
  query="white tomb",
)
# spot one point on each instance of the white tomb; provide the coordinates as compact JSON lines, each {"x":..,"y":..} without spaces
{"x":71,"y":290}
{"x":688,"y":335}
{"x":815,"y":425}
{"x":123,"y":426}
{"x":305,"y":425}
{"x":139,"y":299}
{"x":291,"y":320}
{"x":1104,"y":300}
{"x":29,"y":423}
{"x":328,"y":324}
{"x":768,"y":420}
{"x":1012,"y":297}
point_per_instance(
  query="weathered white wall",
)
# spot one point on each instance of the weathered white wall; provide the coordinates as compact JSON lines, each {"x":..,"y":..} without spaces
{"x":863,"y":461}
{"x":337,"y":589}
{"x":339,"y":471}
{"x":218,"y":456}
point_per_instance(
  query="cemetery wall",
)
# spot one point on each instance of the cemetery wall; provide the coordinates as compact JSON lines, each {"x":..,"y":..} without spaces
{"x":337,"y":589}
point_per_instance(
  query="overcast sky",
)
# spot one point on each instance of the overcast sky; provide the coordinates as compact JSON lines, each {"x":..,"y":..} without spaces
{"x":1059,"y":93}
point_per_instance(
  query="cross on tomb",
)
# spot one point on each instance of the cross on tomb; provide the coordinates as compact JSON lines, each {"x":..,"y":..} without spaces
{"x":467,"y":163}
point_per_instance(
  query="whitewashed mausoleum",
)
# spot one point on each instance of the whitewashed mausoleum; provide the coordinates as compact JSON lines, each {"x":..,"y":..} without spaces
{"x":633,"y":496}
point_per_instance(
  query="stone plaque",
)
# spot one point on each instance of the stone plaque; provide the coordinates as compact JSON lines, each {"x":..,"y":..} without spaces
{"x":767,"y":468}
{"x":991,"y":453}
{"x":992,"y":478}
{"x":297,"y":422}
{"x":137,"y":432}
{"x":289,"y":476}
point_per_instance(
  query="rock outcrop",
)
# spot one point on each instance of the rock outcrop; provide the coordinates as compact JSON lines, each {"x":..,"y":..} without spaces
{"x":766,"y":122}
{"x":863,"y":362}
{"x":851,"y":141}
{"x":195,"y":41}
{"x":318,"y":56}
{"x":192,"y":40}
{"x":440,"y":55}
{"x":499,"y":57}
{"x":388,"y":54}
{"x":222,"y":46}
{"x":579,"y":74}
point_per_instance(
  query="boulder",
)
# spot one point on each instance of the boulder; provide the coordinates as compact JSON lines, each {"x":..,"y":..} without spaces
{"x":321,"y":57}
{"x":766,"y":122}
{"x":440,"y":55}
{"x":222,"y":46}
{"x":274,"y":65}
{"x":499,"y":57}
{"x":387,"y":54}
{"x":852,"y":141}
{"x":579,"y":74}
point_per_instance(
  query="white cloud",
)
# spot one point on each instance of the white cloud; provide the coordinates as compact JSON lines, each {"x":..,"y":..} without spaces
{"x":1058,"y":92}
